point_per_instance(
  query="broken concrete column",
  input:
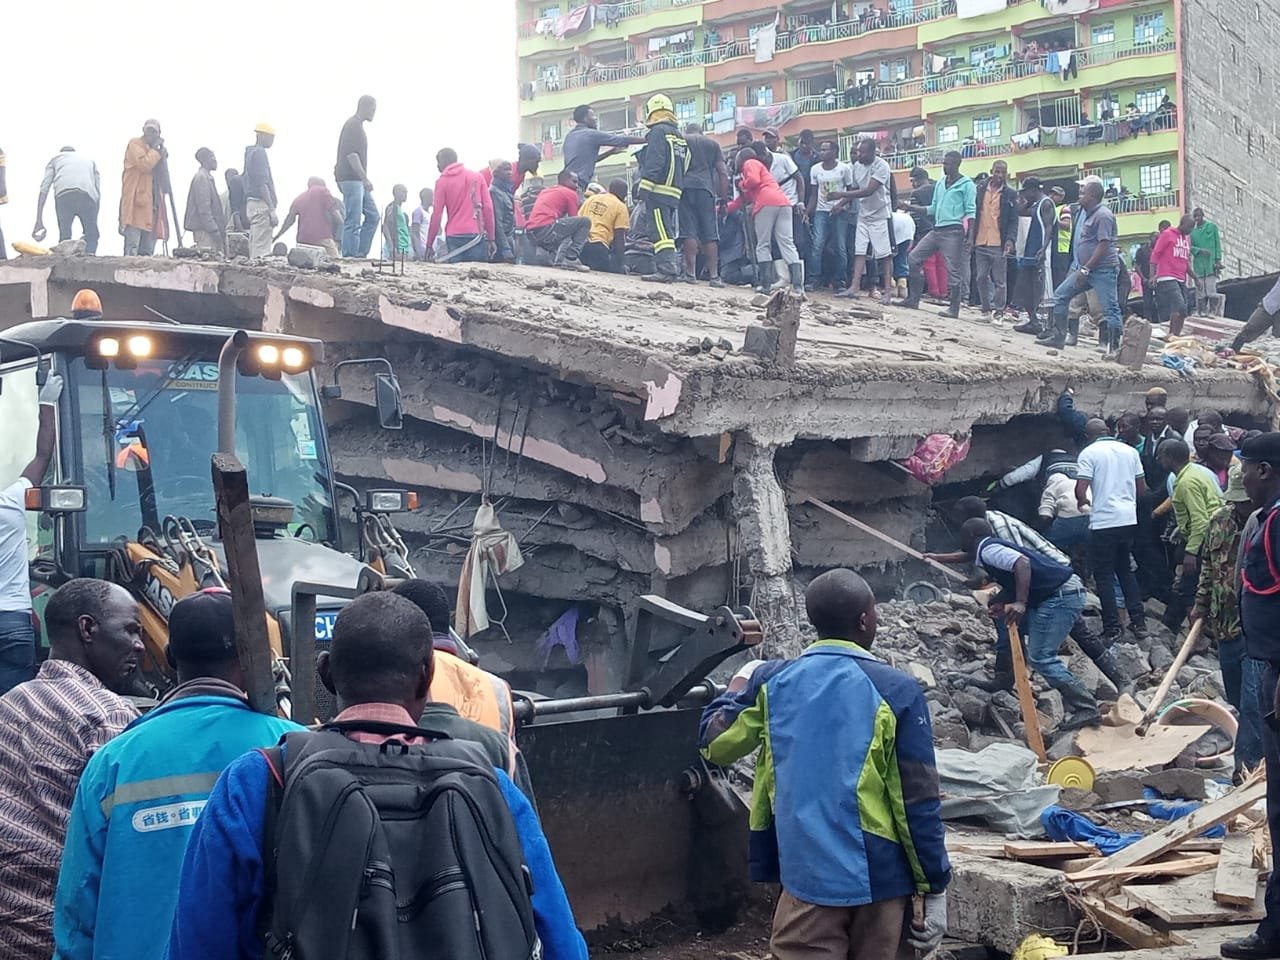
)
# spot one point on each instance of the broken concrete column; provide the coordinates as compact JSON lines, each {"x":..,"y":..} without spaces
{"x":764,"y":529}
{"x":775,"y":340}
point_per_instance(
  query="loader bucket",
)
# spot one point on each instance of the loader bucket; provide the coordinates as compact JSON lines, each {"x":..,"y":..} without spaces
{"x":633,"y":825}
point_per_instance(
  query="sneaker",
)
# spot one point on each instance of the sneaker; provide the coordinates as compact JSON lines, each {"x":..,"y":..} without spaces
{"x":1139,"y":631}
{"x":575,"y":265}
{"x":716,"y":282}
{"x":687,"y":278}
{"x":848,"y":293}
{"x":1055,"y":343}
{"x":658,"y":278}
{"x":1252,"y":947}
{"x":1044,"y":336}
{"x":1029,"y":326}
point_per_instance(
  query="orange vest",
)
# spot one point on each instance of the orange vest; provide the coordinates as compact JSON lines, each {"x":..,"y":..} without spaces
{"x":476,"y":694}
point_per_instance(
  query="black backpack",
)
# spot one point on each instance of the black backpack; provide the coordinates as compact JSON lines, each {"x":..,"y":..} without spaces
{"x":391,"y":851}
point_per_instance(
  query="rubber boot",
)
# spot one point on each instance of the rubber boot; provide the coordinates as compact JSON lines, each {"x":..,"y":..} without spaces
{"x":762,"y":277}
{"x":1073,"y":331}
{"x":1081,"y":709}
{"x":953,"y":309}
{"x":797,"y":279}
{"x":1093,"y":647}
{"x":783,"y":277}
{"x":1001,"y":678}
{"x":915,"y":290}
{"x":665,"y":268}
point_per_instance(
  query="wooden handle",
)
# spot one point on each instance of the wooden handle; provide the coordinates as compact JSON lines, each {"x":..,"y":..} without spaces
{"x":1163,"y":690}
{"x":885,"y":538}
{"x":1026,"y":700}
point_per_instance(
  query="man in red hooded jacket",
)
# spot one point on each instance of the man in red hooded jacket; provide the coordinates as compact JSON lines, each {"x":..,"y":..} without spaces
{"x":461,"y":194}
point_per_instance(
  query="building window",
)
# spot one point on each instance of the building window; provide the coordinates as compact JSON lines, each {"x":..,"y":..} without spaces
{"x":551,"y":131}
{"x":728,"y":101}
{"x":1155,"y":178}
{"x":949,"y":133}
{"x":545,"y":12}
{"x":763,"y":95}
{"x":892,"y":71}
{"x":1147,"y":101}
{"x":1148,"y":27}
{"x":686,"y":109}
{"x":986,"y":128}
{"x":980,"y":52}
{"x":1104,"y":33}
{"x":1108,"y":108}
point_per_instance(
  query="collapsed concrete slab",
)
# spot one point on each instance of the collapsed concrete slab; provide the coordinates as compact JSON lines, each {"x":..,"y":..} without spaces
{"x":628,"y":449}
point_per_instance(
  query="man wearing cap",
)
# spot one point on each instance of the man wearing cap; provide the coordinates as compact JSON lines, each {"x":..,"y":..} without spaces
{"x":142,"y":792}
{"x":17,"y":634}
{"x":260,"y":191}
{"x":1216,"y":603}
{"x":1094,"y":264}
{"x":205,"y":217}
{"x":1033,"y":276}
{"x":1260,"y":620}
{"x":77,"y":190}
{"x":138,"y":203}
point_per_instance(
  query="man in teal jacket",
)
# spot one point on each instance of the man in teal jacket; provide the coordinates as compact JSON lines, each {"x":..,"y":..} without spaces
{"x":845,"y":811}
{"x":141,"y":794}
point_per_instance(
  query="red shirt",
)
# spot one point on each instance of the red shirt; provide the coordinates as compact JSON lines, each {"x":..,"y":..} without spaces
{"x":314,"y":210}
{"x":758,"y":188}
{"x":552,"y":204}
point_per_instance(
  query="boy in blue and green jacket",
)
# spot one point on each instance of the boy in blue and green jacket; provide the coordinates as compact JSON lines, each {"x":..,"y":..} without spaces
{"x":845,"y":808}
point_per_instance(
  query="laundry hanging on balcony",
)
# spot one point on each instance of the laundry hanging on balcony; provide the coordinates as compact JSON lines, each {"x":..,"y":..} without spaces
{"x":1069,"y":7}
{"x":766,"y":41}
{"x":978,"y":8}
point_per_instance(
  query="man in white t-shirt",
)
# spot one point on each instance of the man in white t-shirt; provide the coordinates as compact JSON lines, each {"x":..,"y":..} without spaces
{"x":1112,"y":470}
{"x":17,"y":633}
{"x":871,"y":180}
{"x":832,"y":180}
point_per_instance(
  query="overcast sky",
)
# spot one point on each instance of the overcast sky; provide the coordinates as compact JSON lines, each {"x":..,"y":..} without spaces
{"x":85,"y":73}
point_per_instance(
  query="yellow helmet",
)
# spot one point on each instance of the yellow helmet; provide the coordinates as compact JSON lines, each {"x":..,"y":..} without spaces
{"x":659,"y":101}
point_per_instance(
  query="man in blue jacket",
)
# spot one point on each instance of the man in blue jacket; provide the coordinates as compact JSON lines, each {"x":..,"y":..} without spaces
{"x":142,"y":793}
{"x":220,"y":892}
{"x":845,"y":812}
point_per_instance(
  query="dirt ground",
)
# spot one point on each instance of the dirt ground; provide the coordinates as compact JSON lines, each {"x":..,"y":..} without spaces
{"x":674,"y":938}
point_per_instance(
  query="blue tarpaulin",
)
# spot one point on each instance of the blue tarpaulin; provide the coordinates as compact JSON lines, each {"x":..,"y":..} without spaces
{"x":1062,"y":824}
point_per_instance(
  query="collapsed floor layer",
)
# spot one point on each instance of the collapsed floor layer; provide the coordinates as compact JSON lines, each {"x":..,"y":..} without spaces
{"x":625,"y":456}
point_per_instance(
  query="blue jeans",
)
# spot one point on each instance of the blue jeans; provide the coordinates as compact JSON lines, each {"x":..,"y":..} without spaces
{"x":17,"y":649}
{"x":1103,"y":281}
{"x":476,"y":253}
{"x":1050,"y":622}
{"x":1251,"y":674}
{"x":833,"y":228}
{"x":357,"y":238}
{"x":900,"y":269}
{"x":1066,"y":533}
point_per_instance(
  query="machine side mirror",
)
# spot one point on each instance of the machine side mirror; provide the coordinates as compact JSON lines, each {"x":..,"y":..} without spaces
{"x":386,"y":392}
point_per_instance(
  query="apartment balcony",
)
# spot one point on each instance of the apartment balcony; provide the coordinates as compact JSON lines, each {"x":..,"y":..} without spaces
{"x":1140,"y":216}
{"x":614,"y":82}
{"x":735,"y":59}
{"x":1097,"y":67}
{"x":890,"y":103}
{"x":1018,"y":14}
{"x":610,"y":21}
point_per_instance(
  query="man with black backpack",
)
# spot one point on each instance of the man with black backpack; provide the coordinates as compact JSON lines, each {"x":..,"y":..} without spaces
{"x":371,"y":837}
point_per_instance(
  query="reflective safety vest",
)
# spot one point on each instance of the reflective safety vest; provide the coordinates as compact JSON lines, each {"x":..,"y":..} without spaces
{"x":476,"y":694}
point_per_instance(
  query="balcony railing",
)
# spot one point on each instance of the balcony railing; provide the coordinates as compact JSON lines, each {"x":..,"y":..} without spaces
{"x":1016,"y":69}
{"x":608,"y":14}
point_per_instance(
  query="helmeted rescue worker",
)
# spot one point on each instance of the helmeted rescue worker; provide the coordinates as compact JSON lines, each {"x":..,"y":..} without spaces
{"x":663,"y":163}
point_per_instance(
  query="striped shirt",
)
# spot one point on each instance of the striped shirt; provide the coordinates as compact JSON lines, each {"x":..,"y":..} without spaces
{"x":49,"y":727}
{"x":1015,"y":531}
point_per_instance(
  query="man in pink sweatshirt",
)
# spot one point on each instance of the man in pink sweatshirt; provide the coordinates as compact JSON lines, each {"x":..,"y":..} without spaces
{"x":463,"y":197}
{"x":1170,"y":261}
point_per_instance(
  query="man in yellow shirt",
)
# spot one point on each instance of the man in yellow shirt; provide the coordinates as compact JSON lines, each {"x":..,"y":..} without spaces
{"x":610,"y":221}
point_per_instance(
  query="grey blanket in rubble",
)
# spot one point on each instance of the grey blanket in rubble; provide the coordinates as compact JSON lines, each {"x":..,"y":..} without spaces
{"x":999,"y":787}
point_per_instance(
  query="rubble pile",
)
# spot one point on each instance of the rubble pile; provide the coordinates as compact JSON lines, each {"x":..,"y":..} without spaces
{"x":950,"y":643}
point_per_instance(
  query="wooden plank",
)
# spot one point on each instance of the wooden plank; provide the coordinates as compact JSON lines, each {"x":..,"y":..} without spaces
{"x":1026,"y":699}
{"x":1131,"y":931}
{"x":1195,"y":823}
{"x":1080,"y":871}
{"x":1048,"y":850}
{"x":235,"y":524}
{"x":994,"y":850}
{"x":885,"y":538}
{"x":1202,"y":944}
{"x":1189,"y":900}
{"x":1236,"y":880}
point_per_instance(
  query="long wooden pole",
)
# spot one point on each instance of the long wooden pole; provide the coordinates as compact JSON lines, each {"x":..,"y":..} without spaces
{"x":1026,"y":699}
{"x":1162,"y":691}
{"x":885,"y":538}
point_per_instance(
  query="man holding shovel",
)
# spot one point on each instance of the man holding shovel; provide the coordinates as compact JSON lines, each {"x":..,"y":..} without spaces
{"x":1050,"y":595}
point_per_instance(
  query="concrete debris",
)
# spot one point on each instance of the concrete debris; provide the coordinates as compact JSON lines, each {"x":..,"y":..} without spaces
{"x":307,"y":257}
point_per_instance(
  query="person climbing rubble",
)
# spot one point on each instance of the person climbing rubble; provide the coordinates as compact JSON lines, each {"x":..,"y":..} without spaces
{"x":847,"y":816}
{"x":1051,"y":596}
